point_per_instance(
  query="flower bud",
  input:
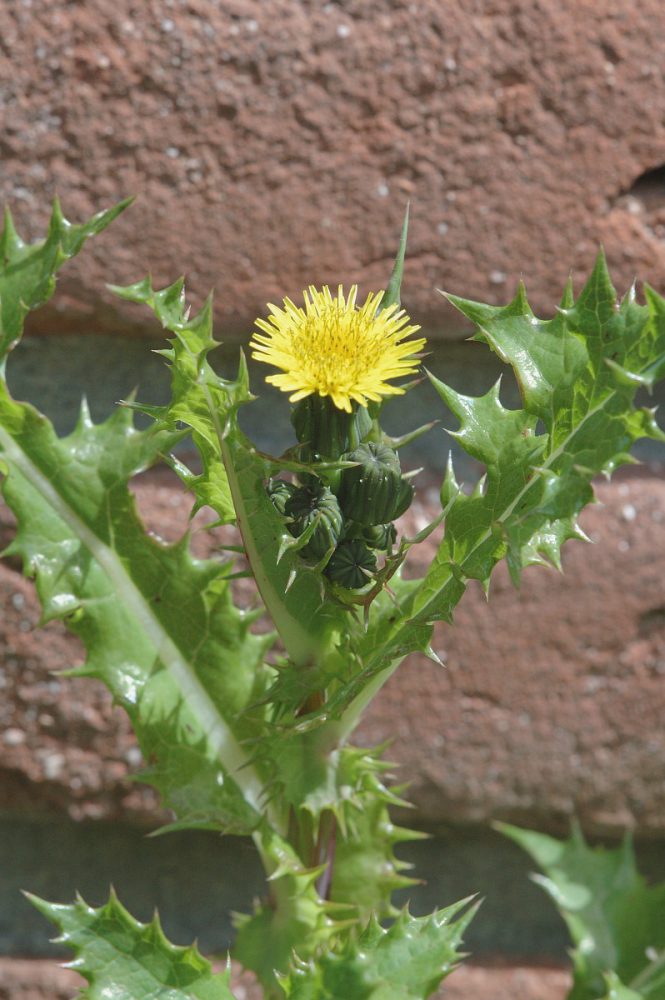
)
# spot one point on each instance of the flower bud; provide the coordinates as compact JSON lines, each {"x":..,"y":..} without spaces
{"x":373,"y":491}
{"x":351,"y":564}
{"x":379,"y":536}
{"x":311,"y":503}
{"x":280,"y":492}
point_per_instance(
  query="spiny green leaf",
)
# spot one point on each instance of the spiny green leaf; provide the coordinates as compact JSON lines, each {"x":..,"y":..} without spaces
{"x":200,"y":398}
{"x":405,"y":962}
{"x":160,"y":627}
{"x":120,"y":957}
{"x":578,"y":420}
{"x":295,"y":915}
{"x":339,"y":795}
{"x":394,"y":287}
{"x":615,"y":920}
{"x":366,"y":871}
{"x":337,"y":798}
{"x":27,"y":270}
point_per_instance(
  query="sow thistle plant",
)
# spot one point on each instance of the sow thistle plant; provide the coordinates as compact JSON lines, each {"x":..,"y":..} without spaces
{"x":247,"y":732}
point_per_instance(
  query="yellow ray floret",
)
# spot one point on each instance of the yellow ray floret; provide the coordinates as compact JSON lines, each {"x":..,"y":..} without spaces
{"x":337,"y":349}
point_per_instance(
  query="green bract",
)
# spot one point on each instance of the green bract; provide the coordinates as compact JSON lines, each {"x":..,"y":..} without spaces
{"x":327,"y":431}
{"x":249,"y":739}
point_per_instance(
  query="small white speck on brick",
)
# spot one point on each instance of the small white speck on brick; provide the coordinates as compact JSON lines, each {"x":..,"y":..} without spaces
{"x":442,"y":228}
{"x":628,"y":512}
{"x":53,"y":765}
{"x":343,"y":31}
{"x":134,"y":757}
{"x":382,"y":190}
{"x":167,"y":25}
{"x":497,"y":277}
{"x":13,"y":737}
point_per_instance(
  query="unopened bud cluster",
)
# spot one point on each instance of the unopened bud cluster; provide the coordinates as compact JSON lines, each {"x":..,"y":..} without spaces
{"x":349,"y":511}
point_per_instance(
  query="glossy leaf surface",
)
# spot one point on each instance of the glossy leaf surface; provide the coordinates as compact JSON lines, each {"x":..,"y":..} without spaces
{"x":122,"y":958}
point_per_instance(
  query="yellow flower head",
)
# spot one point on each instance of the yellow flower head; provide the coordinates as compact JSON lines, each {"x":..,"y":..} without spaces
{"x":335,"y":348}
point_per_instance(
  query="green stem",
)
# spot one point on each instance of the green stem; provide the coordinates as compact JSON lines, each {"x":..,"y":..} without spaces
{"x":336,"y":733}
{"x":301,"y":643}
{"x":648,"y":973}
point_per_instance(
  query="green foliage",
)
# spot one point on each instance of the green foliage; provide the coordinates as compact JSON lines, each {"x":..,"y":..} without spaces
{"x":405,"y":962}
{"x":394,"y":286}
{"x":159,"y":627}
{"x":27,"y":270}
{"x":578,"y":374}
{"x":121,"y":957}
{"x":238,"y":744}
{"x":616,"y":922}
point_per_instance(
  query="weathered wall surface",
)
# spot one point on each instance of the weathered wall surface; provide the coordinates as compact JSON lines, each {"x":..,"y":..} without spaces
{"x":272,"y":145}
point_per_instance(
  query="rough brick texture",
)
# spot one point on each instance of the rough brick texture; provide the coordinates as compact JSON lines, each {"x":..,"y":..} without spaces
{"x":272,"y":145}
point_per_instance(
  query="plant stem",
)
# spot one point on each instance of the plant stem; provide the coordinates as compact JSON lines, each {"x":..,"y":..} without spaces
{"x":338,"y":732}
{"x":648,"y":973}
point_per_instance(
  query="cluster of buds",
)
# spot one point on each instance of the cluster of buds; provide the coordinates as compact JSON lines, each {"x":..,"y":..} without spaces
{"x":349,"y":496}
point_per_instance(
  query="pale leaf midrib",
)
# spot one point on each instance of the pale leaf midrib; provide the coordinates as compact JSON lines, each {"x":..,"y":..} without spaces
{"x":217,"y":731}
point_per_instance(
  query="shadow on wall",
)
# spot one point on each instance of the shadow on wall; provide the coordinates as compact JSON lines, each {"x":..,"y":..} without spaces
{"x":222,"y":875}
